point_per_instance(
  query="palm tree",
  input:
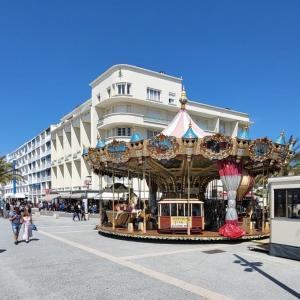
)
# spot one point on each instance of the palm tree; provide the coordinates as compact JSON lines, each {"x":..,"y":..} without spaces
{"x":8,"y":172}
{"x":293,"y":167}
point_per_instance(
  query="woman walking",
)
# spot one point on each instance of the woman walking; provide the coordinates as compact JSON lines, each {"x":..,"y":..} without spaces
{"x":15,"y":219}
{"x":27,"y":220}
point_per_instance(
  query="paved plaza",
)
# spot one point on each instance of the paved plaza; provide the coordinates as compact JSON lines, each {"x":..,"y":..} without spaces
{"x":70,"y":260}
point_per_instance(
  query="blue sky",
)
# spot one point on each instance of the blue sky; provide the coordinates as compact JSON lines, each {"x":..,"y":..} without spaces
{"x":244,"y":55}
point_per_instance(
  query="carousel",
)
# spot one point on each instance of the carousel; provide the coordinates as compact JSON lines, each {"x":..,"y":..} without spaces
{"x":173,"y":170}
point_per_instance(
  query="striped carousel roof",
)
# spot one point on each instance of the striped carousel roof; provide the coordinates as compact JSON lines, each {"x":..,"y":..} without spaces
{"x":181,"y":122}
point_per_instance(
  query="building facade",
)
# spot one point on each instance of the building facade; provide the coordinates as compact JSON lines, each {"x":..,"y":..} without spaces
{"x":68,"y":138}
{"x":33,"y":162}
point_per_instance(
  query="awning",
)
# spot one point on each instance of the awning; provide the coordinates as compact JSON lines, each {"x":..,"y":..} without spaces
{"x":15,"y":196}
{"x":77,"y":196}
{"x":82,"y":195}
{"x":65,"y":195}
{"x":106,"y":196}
{"x":50,"y":197}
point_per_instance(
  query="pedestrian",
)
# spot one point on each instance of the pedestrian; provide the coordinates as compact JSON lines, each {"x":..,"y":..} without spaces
{"x":16,"y":222}
{"x":83,"y":212}
{"x":27,"y":220}
{"x":76,"y":212}
{"x":7,"y":208}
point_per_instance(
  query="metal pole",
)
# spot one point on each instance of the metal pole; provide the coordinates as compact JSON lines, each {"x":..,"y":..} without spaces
{"x":128,"y":183}
{"x":113,"y":175}
{"x":263,"y":208}
{"x":144,"y":187}
{"x":188,"y":200}
{"x":100,"y":200}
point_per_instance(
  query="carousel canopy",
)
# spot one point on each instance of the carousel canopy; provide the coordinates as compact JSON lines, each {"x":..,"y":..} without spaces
{"x":182,"y":121}
{"x":244,"y":134}
{"x":281,"y":139}
{"x":136,"y":137}
{"x":100,"y":143}
{"x":190,"y":134}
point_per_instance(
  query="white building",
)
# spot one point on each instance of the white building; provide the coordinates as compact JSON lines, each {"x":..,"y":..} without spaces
{"x":33,"y":161}
{"x":124,"y":98}
{"x":69,"y":170}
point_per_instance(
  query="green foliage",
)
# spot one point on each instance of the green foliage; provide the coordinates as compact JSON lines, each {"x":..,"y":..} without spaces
{"x":7,"y":172}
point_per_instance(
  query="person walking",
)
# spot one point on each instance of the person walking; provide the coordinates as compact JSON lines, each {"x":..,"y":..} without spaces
{"x":83,"y":212}
{"x":7,"y":208}
{"x":27,"y":220}
{"x":76,"y":212}
{"x":16,"y":222}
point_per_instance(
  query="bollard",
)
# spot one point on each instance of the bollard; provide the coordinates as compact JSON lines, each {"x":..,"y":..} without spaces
{"x":141,"y":226}
{"x":130,"y":227}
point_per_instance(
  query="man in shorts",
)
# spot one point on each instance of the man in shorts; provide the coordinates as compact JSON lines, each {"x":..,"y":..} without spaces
{"x":15,"y":219}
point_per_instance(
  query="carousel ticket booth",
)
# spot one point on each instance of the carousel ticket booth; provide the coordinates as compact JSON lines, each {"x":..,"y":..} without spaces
{"x":176,"y":215}
{"x":285,"y":216}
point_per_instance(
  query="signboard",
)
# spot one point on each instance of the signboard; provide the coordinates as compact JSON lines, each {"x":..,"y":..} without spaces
{"x":180,"y":222}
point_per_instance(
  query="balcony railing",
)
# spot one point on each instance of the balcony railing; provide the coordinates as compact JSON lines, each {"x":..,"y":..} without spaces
{"x":156,"y":120}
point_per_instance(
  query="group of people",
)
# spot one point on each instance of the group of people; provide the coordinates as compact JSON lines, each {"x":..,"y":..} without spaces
{"x":19,"y":216}
{"x":79,"y":212}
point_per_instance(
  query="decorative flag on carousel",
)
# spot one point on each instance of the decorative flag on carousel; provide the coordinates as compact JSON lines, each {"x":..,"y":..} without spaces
{"x":231,"y":175}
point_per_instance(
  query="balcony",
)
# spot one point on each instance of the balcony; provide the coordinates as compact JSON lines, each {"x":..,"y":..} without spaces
{"x":68,"y":157}
{"x":46,"y":165}
{"x":120,"y":118}
{"x":45,"y":178}
{"x":156,"y":120}
{"x":77,"y":155}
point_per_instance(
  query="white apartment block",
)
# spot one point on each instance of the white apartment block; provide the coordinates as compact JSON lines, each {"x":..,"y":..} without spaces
{"x":124,"y":98}
{"x":33,"y":161}
{"x":68,"y":138}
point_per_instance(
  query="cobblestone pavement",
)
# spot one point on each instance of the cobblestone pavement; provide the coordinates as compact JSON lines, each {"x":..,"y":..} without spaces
{"x":70,"y":260}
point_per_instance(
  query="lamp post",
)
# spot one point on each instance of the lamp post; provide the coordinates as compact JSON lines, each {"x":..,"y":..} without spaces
{"x":85,"y":201}
{"x":100,"y":196}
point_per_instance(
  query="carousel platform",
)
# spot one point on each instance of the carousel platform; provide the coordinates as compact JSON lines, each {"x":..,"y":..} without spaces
{"x":154,"y":236}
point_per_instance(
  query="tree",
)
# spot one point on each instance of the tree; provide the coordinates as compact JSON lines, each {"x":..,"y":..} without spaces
{"x":7,"y":172}
{"x":293,"y":167}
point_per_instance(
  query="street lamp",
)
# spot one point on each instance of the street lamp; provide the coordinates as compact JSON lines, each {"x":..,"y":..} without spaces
{"x":88,"y":182}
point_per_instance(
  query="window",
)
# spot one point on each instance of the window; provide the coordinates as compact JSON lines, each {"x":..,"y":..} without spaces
{"x":151,"y":133}
{"x":287,"y":203}
{"x":153,"y":94}
{"x":222,"y":127}
{"x":279,"y":203}
{"x":123,"y":131}
{"x":172,"y":98}
{"x":196,"y":210}
{"x":172,"y":101}
{"x":108,"y":92}
{"x":173,"y":209}
{"x":165,"y":209}
{"x":293,"y":202}
{"x":203,"y":123}
{"x":98,"y":97}
{"x":181,"y":209}
{"x":123,"y":88}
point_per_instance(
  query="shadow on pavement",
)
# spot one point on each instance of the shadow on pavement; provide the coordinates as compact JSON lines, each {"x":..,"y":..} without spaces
{"x":254,"y":266}
{"x":2,"y":250}
{"x":31,"y":240}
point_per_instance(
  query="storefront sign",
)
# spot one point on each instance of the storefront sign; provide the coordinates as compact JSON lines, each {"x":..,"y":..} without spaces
{"x":180,"y":222}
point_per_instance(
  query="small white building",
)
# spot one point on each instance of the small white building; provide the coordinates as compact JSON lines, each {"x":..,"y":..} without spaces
{"x":285,"y":216}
